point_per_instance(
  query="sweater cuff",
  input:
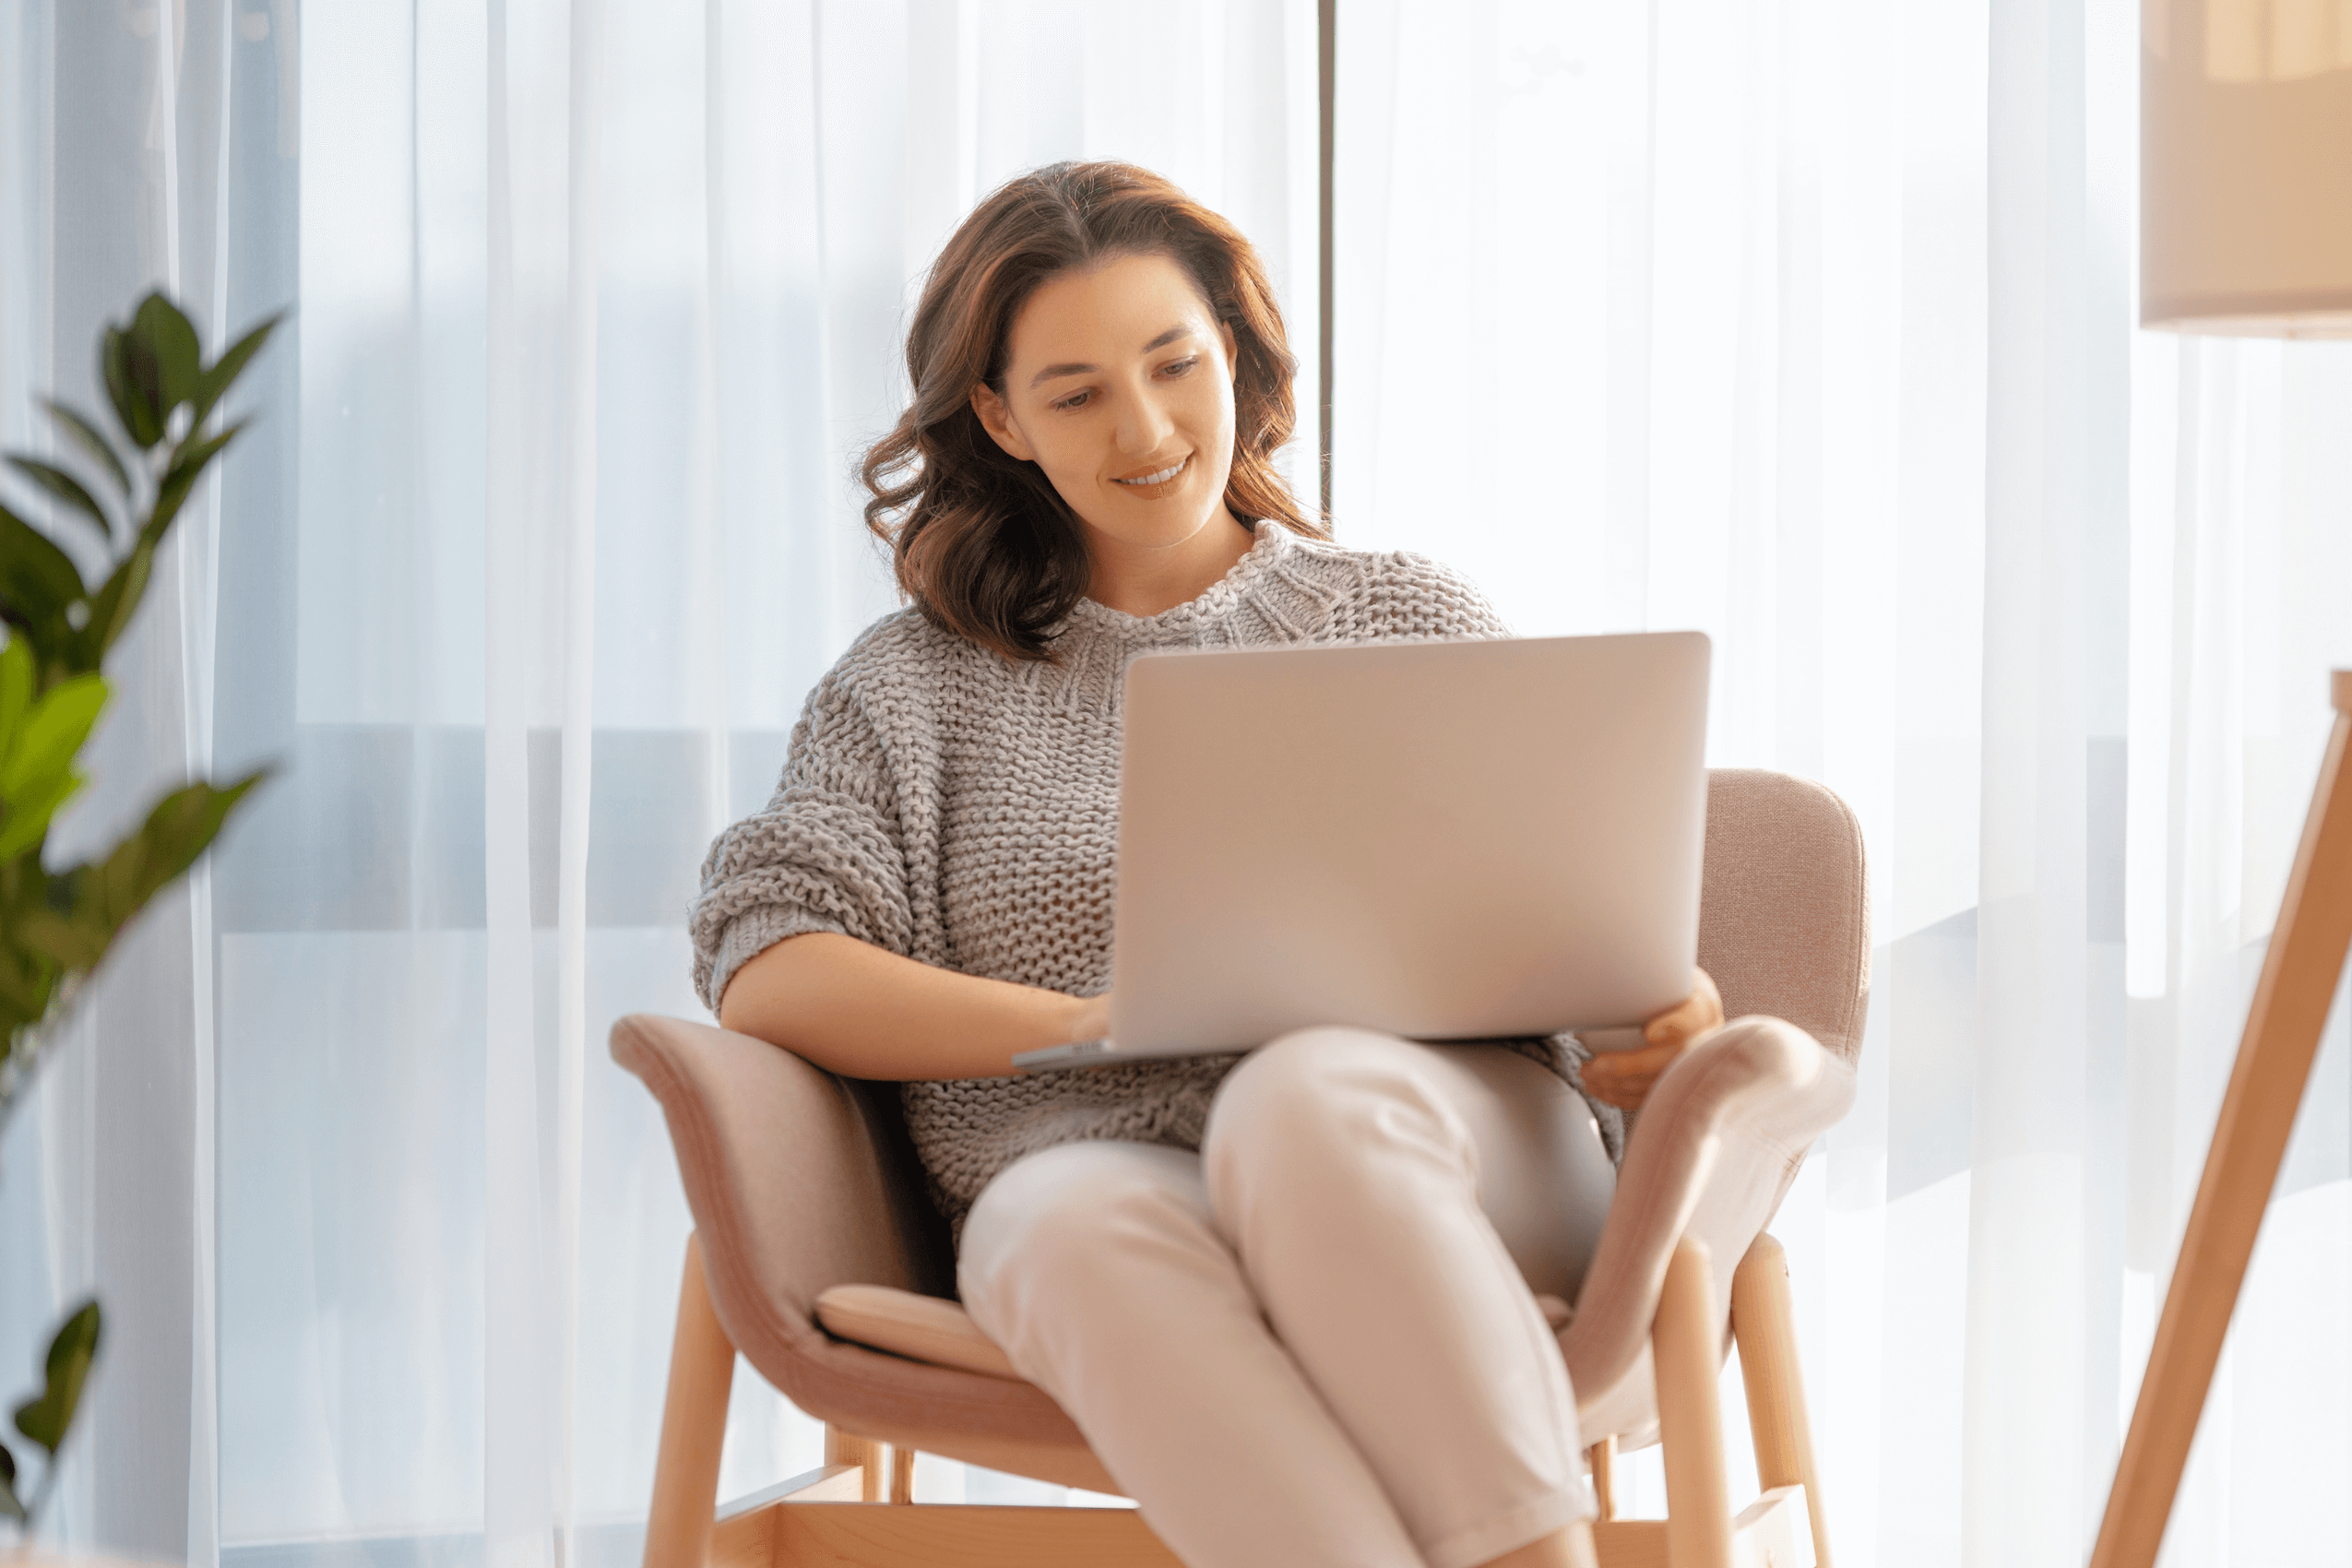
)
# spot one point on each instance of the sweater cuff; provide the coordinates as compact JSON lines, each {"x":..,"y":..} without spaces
{"x":753,"y":933}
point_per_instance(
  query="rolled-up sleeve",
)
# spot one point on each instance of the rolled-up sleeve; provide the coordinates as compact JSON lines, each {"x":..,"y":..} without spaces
{"x":825,"y":854}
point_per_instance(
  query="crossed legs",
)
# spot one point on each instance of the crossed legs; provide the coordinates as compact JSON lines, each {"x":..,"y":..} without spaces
{"x":1316,"y":1341}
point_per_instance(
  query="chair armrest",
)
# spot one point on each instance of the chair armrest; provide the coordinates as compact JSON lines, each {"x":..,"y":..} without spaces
{"x":1718,"y":1144}
{"x":798,"y":1179}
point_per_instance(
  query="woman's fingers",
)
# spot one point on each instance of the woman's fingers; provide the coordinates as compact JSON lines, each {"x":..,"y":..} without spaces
{"x":1694,"y":1016}
{"x":1623,"y":1078}
{"x":1649,"y":1061}
{"x":1679,"y":1021}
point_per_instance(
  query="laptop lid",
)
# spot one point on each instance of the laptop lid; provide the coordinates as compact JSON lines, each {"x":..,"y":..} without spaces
{"x":1440,"y":840}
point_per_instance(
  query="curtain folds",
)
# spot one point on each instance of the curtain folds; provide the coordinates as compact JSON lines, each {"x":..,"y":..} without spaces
{"x":1805,"y":322}
{"x":546,"y":526}
{"x":1812,"y":325}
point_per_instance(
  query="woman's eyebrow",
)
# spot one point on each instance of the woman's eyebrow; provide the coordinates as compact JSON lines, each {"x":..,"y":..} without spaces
{"x":1051,"y":371}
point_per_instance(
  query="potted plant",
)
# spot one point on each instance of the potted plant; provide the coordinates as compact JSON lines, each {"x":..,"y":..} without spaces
{"x":57,"y":925}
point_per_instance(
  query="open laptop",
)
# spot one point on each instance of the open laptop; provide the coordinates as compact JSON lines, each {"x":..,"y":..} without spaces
{"x":1441,"y":841}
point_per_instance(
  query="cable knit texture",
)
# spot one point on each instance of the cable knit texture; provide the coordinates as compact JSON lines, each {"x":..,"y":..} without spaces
{"x":960,"y":809}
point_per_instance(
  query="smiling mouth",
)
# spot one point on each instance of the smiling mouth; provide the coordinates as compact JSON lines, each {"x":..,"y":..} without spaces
{"x":1159,"y":480}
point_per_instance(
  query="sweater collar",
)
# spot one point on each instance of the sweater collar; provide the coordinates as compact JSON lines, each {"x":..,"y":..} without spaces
{"x":1274,"y":594}
{"x":1189,"y":622}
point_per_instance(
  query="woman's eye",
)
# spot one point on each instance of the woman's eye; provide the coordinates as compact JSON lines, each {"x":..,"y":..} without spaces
{"x":1180,"y":366}
{"x":1074,"y":401}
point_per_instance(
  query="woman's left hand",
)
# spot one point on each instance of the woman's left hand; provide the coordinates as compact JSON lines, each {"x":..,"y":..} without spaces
{"x":1624,"y":1078}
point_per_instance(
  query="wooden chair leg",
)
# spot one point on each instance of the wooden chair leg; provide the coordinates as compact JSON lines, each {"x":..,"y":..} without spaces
{"x":902,"y":1474}
{"x":872,"y":1458}
{"x":1690,"y":1421}
{"x":693,"y":1427}
{"x":1601,"y":1458}
{"x":1764,"y":1323}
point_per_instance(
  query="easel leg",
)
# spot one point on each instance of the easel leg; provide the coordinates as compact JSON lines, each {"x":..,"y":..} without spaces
{"x":2257,"y":1112}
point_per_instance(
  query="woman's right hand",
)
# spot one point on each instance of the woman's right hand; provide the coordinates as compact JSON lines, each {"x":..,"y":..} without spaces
{"x":1624,"y":1078}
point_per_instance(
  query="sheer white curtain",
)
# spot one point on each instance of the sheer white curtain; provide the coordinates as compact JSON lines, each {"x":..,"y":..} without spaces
{"x":1811,"y":324}
{"x":547,"y":526}
{"x":1808,"y":324}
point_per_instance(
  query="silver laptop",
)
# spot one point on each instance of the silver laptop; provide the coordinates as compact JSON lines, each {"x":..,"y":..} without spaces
{"x":1439,"y":840}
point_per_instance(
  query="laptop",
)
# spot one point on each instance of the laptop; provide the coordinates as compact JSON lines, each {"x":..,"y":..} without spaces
{"x":1459,"y":840}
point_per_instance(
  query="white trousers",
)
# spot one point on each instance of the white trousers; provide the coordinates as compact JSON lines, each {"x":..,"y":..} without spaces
{"x":1316,"y":1341}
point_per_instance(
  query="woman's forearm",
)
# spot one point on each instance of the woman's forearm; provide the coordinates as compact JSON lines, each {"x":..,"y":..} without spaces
{"x":854,"y":1008}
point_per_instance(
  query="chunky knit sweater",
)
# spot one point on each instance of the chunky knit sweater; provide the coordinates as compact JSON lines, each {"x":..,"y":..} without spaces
{"x":955,"y":808}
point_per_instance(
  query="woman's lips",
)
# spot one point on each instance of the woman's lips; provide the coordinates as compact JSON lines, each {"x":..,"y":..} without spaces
{"x":1161,"y":486}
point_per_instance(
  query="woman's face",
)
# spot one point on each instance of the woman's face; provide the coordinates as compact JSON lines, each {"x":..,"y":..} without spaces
{"x":1119,"y":384}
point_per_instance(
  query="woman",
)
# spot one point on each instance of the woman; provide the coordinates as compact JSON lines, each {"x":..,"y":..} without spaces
{"x":1290,"y":1299}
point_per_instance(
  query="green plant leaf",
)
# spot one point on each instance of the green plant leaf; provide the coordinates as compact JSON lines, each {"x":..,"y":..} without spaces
{"x":86,"y":906}
{"x":73,"y":942}
{"x":26,"y":980}
{"x":46,"y":1415}
{"x":28,"y":818}
{"x":53,"y":731}
{"x":65,"y":487}
{"x":181,"y":827}
{"x":230,"y":365}
{"x":144,"y":370}
{"x":37,"y":580}
{"x":112,"y":605}
{"x":187,"y":466}
{"x":140,"y":421}
{"x":87,"y":437}
{"x":9,"y":1506}
{"x":191,"y":456}
{"x":179,"y":356}
{"x":15,"y":690}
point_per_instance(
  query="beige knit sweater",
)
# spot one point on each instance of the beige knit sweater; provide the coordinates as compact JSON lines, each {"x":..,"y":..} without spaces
{"x":953,"y":807}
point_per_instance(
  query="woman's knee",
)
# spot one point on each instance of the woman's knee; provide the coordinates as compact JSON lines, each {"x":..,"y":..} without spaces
{"x":1318,"y":1099}
{"x":1056,"y":1222}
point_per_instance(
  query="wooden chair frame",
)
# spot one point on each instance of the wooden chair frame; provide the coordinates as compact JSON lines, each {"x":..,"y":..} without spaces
{"x":858,"y":1509}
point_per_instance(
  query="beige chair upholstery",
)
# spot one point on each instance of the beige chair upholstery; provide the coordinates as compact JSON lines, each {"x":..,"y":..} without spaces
{"x":828,"y":1270}
{"x":799,"y":1182}
{"x":1784,"y":928}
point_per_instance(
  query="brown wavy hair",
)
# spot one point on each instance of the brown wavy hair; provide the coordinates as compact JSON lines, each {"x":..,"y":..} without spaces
{"x":980,"y":539}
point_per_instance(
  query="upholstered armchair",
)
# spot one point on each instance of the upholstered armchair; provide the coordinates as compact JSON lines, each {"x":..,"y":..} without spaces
{"x":816,"y":1254}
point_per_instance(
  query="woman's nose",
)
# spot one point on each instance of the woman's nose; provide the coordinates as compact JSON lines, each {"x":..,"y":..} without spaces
{"x":1144,"y":425}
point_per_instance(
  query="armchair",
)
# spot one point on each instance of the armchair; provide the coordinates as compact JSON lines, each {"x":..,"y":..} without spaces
{"x":817,"y":1256}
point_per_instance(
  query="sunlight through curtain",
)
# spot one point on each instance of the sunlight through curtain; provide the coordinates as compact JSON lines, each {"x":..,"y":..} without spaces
{"x":1812,"y":325}
{"x":546,"y":527}
{"x":1806,"y":322}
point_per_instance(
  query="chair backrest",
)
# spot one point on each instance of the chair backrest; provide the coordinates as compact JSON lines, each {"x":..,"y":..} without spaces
{"x":1784,"y":910}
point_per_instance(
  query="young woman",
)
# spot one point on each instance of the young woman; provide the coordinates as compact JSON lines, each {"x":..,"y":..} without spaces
{"x":1290,"y":1299}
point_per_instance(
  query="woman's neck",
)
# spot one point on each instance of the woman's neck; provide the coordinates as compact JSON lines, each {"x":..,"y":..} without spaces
{"x":1145,"y":579}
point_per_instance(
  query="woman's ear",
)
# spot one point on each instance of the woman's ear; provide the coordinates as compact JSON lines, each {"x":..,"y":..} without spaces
{"x":1233,"y":358}
{"x":997,"y":420}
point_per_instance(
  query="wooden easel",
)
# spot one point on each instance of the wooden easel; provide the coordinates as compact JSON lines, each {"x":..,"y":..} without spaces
{"x":2257,"y":1112}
